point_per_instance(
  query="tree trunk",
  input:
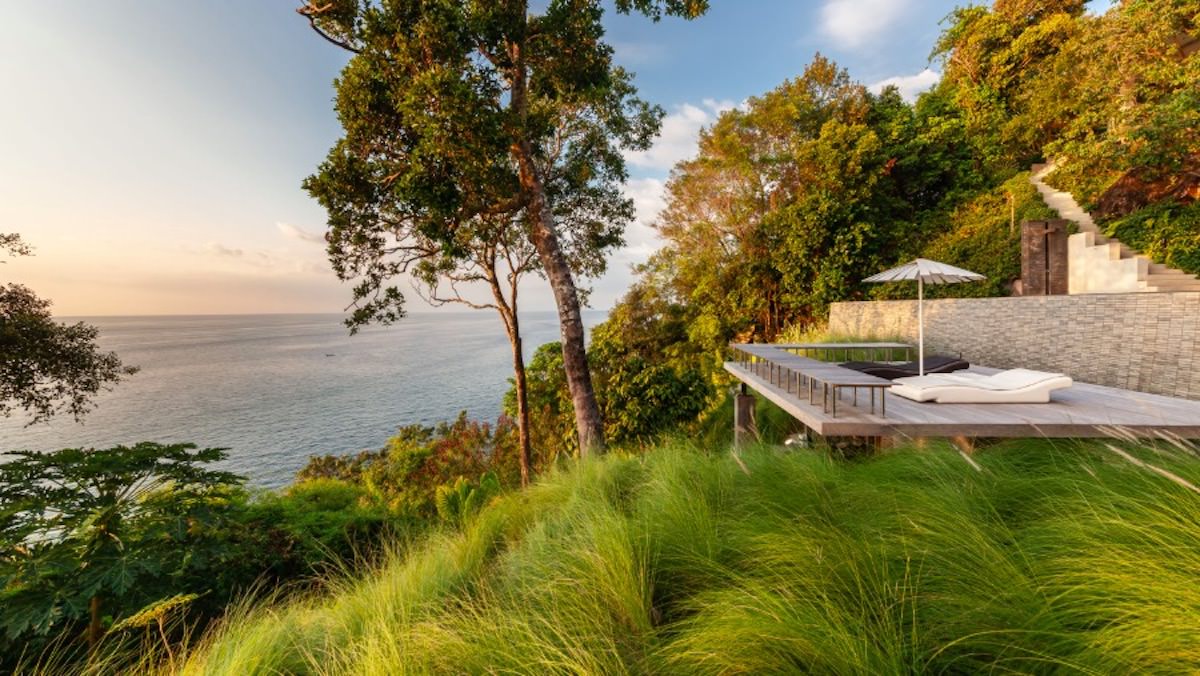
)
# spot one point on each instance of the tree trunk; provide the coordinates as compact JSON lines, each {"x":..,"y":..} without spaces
{"x":544,"y":237}
{"x":522,"y":400}
{"x":507,"y":307}
{"x":95,"y":629}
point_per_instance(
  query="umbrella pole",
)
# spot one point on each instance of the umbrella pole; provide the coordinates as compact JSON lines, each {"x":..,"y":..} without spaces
{"x":920,"y":326}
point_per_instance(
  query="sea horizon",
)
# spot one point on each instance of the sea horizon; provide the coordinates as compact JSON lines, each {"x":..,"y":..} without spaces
{"x":278,"y":388}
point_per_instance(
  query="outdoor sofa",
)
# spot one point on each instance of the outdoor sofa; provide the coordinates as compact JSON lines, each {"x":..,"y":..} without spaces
{"x":1015,"y":386}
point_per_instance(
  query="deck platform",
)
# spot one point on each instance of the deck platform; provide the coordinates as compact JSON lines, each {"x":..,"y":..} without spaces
{"x":1082,"y":410}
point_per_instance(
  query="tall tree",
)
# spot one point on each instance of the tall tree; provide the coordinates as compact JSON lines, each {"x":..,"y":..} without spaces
{"x":990,"y":56}
{"x":455,"y":110}
{"x":499,"y":257}
{"x":489,"y":251}
{"x":47,"y":367}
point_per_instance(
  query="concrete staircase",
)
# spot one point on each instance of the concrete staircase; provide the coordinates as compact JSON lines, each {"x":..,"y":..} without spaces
{"x":1100,"y":264}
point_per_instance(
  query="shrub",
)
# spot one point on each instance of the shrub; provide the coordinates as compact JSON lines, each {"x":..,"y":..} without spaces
{"x":404,"y":475}
{"x":1167,"y":233}
{"x":321,"y":522}
{"x":88,"y":536}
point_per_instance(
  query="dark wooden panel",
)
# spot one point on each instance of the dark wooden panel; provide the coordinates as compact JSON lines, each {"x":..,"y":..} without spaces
{"x":1056,"y":256}
{"x":1044,"y":257}
{"x":1033,"y":258}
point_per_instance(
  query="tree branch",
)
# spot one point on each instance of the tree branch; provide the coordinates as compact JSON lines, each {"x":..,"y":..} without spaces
{"x":311,"y":11}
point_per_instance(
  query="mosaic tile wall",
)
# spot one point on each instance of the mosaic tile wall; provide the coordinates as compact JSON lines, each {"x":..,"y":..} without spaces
{"x":1149,"y":342}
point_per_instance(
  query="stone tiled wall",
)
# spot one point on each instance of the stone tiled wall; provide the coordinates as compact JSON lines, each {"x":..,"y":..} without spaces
{"x":1149,"y":342}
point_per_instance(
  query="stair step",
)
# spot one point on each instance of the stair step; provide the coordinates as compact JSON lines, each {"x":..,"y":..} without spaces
{"x":1194,"y":286}
{"x":1155,"y":281}
{"x":1164,"y":269}
{"x":1151,"y":276}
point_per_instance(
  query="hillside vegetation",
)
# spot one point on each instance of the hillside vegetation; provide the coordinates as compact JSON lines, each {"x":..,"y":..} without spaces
{"x":1051,"y":558}
{"x":682,"y":558}
{"x":797,"y":195}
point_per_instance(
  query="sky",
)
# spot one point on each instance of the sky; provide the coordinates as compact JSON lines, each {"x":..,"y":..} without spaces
{"x":152,"y":152}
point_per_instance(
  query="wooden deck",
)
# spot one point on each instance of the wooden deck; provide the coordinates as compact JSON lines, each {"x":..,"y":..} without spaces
{"x":1082,"y":410}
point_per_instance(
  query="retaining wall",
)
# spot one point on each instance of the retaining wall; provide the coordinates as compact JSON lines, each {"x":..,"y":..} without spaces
{"x":1149,"y":342}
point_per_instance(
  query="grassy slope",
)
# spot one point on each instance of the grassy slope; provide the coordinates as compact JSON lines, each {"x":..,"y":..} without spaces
{"x":681,"y":561}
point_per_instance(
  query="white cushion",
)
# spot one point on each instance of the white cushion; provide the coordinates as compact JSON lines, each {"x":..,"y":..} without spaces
{"x":1015,"y":386}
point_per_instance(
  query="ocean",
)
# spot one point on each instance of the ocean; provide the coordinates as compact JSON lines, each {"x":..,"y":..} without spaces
{"x":276,"y":389}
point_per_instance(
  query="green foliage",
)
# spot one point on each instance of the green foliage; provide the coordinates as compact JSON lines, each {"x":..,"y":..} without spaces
{"x":551,"y":415}
{"x":1055,"y":557}
{"x":647,"y":379}
{"x":123,"y":537}
{"x":47,"y":367}
{"x":983,"y":235}
{"x":460,"y":120}
{"x":645,"y":386}
{"x":321,"y":522}
{"x":1104,"y":96}
{"x":714,"y":428}
{"x":1168,"y":233}
{"x":991,"y":57}
{"x":471,"y":126}
{"x":87,"y":534}
{"x":798,"y":196}
{"x":404,"y":477}
{"x":461,"y":500}
{"x":155,"y":613}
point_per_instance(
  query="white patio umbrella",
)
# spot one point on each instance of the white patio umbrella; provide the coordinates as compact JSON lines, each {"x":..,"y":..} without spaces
{"x":925,"y":272}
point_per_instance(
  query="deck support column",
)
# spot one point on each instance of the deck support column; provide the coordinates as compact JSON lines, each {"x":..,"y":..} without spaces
{"x":743,"y":417}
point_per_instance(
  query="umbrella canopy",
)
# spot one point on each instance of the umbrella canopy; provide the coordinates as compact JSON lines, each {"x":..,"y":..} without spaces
{"x":929,"y":272}
{"x":925,"y":271}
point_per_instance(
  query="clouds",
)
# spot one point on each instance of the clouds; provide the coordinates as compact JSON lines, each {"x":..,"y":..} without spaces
{"x":909,"y":85}
{"x":852,"y":23}
{"x":298,"y":233}
{"x":222,"y":251}
{"x":677,"y":142}
{"x":680,"y":131}
{"x":649,"y":199}
{"x":296,"y":257}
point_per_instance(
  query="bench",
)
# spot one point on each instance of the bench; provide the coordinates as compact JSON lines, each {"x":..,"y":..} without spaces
{"x":866,"y":351}
{"x":784,"y":371}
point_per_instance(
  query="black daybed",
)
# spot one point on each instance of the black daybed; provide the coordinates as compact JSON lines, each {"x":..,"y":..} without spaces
{"x":937,"y":363}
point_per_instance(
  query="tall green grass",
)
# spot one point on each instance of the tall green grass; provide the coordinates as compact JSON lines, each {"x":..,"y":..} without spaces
{"x":1054,"y":558}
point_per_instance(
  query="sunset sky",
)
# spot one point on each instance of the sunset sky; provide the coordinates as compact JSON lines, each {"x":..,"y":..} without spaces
{"x":152,"y":152}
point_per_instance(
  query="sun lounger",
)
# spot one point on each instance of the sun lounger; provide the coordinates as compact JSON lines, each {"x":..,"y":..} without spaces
{"x":936,"y":363}
{"x":1015,"y":386}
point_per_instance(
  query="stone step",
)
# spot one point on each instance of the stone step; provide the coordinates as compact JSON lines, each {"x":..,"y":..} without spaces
{"x":1173,"y":286}
{"x":1138,"y":271}
{"x":1174,"y":289}
{"x":1164,"y":269}
{"x":1159,"y":281}
{"x":1117,"y":250}
{"x":1169,"y":273}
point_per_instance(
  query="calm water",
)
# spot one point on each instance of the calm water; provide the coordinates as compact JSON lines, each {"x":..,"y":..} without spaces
{"x":276,"y":389}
